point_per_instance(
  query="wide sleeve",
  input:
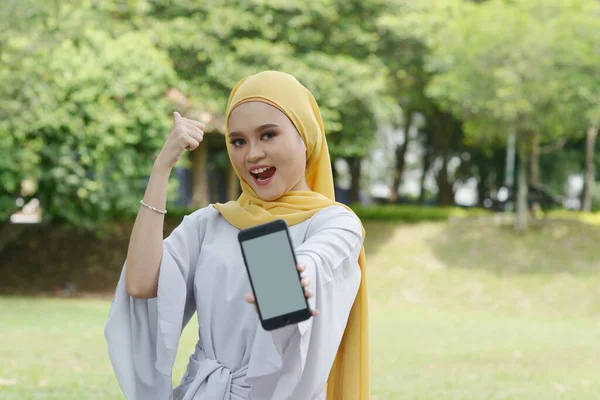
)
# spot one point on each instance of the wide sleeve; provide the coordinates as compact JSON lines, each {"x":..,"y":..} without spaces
{"x":143,"y":334}
{"x":296,"y":360}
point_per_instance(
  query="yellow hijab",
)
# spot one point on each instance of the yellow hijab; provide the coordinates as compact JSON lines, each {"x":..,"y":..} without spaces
{"x":349,"y":378}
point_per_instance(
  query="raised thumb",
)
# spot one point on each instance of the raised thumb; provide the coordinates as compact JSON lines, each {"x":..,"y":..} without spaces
{"x":176,"y":116}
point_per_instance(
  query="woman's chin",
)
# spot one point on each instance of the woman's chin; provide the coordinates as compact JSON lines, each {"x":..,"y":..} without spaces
{"x":273,"y":192}
{"x":267,"y":195}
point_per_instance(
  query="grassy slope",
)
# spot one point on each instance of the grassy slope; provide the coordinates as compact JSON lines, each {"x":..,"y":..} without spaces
{"x":473,"y":312}
{"x":458,"y":311}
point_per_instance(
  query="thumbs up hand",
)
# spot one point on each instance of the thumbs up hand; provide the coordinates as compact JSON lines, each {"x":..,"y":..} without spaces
{"x":186,"y":134}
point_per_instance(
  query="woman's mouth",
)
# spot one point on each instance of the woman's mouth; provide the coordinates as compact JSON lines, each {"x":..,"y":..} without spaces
{"x":263,"y":176}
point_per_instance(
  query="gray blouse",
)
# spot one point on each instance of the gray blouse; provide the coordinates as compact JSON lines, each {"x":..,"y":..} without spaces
{"x":202,"y":271}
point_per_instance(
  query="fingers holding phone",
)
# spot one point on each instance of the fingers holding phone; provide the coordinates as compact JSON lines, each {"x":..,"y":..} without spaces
{"x":305,"y":283}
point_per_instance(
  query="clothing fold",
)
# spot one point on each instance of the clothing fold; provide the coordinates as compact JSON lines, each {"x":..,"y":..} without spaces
{"x":210,"y":378}
{"x":143,"y":334}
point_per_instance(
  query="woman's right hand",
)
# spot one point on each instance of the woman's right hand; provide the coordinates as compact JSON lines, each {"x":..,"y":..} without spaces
{"x":186,"y":134}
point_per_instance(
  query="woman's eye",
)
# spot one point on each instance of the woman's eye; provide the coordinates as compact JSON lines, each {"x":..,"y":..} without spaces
{"x":237,"y":142}
{"x":268,"y":135}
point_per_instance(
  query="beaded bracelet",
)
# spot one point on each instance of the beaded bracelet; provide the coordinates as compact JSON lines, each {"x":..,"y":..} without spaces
{"x":153,"y":208}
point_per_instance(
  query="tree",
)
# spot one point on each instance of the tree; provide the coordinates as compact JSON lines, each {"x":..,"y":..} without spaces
{"x":494,"y":71}
{"x":577,"y":64}
{"x":96,"y":91}
{"x":406,"y":29}
{"x":328,"y":45}
{"x":83,"y":114}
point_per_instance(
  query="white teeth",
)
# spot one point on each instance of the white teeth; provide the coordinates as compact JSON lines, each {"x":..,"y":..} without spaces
{"x":258,"y":171}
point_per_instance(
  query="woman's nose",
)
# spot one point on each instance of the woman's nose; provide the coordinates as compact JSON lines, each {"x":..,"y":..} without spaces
{"x":255,"y":154}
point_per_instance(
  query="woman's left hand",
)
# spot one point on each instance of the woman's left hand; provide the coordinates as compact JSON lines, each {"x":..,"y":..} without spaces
{"x":249,"y":297}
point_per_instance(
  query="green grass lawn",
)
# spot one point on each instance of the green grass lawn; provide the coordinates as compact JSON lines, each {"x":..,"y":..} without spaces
{"x":462,"y":310}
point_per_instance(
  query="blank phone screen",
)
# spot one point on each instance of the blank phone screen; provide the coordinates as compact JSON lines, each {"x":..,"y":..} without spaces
{"x":274,"y":275}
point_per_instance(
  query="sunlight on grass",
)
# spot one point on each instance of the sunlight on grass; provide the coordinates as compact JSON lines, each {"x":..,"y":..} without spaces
{"x":457,"y":311}
{"x":588,"y":218}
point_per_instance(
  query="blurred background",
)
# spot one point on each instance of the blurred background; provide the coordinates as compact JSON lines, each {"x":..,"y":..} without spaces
{"x":463,"y":133}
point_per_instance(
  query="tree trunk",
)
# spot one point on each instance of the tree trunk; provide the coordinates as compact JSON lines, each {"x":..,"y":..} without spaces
{"x":199,"y":178}
{"x":446,"y":133}
{"x":509,"y":169}
{"x":522,"y":187}
{"x":534,"y":169}
{"x":334,"y":173}
{"x":355,"y":169}
{"x":426,"y":165}
{"x":483,"y":167}
{"x":446,"y":191}
{"x":534,"y":172}
{"x":400,"y":154}
{"x":590,"y":168}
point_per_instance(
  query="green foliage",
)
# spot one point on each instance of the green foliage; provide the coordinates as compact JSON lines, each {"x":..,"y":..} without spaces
{"x":518,"y":65}
{"x":328,"y":45}
{"x":407,"y":29}
{"x":410,"y":214}
{"x":83,"y":107}
{"x":391,"y":212}
{"x":577,"y":61}
{"x":483,"y":62}
{"x":83,"y":94}
{"x":84,"y":117}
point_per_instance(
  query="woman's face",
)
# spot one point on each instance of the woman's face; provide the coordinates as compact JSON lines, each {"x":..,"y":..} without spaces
{"x":267,"y":150}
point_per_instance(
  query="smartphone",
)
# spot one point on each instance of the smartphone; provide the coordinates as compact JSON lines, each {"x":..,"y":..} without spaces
{"x":271,"y":265}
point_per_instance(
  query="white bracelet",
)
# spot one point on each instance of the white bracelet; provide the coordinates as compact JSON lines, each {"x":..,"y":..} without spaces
{"x":153,"y":208}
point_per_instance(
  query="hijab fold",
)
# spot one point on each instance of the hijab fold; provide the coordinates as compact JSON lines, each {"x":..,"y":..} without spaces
{"x":349,"y":378}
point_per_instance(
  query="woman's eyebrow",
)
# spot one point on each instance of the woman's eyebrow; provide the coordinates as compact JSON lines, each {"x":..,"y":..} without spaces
{"x":260,"y":128}
{"x":265,"y":126}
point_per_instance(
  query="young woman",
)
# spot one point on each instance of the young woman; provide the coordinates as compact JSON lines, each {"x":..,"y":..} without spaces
{"x":277,"y":145}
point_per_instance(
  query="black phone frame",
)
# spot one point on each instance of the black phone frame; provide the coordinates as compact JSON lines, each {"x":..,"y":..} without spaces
{"x":278,"y":321}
